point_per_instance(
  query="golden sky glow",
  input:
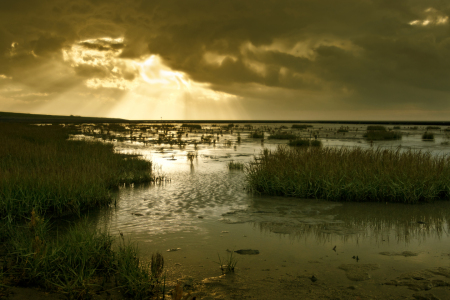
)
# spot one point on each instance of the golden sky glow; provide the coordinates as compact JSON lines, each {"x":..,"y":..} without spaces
{"x":228,"y":60}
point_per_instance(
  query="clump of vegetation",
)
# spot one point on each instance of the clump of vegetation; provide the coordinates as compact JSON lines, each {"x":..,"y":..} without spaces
{"x":433,"y":127}
{"x":301,"y":126}
{"x":414,"y":128}
{"x":351,"y":174}
{"x":397,"y":128}
{"x":316,"y":143}
{"x":227,"y":264}
{"x":305,"y":143}
{"x":376,"y":132}
{"x":232,"y":165}
{"x":299,"y":143}
{"x":45,"y":175}
{"x":428,"y":136}
{"x":257,"y":135}
{"x":342,"y":129}
{"x":282,"y":136}
{"x":191,"y":126}
{"x":376,"y":127}
{"x":78,"y":263}
{"x":43,"y":171}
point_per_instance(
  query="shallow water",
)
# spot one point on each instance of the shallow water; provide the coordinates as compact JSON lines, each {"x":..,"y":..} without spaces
{"x":353,"y":249}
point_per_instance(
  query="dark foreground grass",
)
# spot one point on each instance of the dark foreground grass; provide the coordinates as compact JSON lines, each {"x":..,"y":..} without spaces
{"x":351,"y":174}
{"x":43,"y":175}
{"x":41,"y":170}
{"x":79,"y":264}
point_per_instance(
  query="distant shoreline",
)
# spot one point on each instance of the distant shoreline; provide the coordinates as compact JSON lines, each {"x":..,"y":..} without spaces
{"x":32,"y":118}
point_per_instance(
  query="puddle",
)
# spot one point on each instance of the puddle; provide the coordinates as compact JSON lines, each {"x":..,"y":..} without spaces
{"x":306,"y":248}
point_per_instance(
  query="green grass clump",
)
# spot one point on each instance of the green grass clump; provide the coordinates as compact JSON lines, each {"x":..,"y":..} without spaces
{"x":374,"y":135}
{"x":299,"y":143}
{"x":257,"y":135}
{"x":433,"y":127}
{"x":428,"y":136}
{"x":78,"y":263}
{"x":299,"y":126}
{"x":282,"y":136}
{"x":376,"y":127}
{"x":232,"y":165}
{"x":227,"y":264}
{"x":305,"y":143}
{"x":191,"y":126}
{"x":397,"y":127}
{"x":351,"y":174}
{"x":43,"y":171}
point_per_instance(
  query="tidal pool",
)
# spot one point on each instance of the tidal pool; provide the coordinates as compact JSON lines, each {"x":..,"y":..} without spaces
{"x":313,"y":249}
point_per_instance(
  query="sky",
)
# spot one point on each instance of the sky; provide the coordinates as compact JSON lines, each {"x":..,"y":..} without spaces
{"x":232,"y":60}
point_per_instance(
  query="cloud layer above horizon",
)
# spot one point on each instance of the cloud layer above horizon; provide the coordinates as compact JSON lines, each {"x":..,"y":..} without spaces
{"x":191,"y":59}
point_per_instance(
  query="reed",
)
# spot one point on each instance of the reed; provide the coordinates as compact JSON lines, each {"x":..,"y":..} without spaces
{"x":428,"y":136}
{"x":305,"y":143}
{"x":351,"y":174}
{"x":191,"y":126}
{"x":227,"y":264}
{"x":374,"y":135}
{"x":282,"y":136}
{"x":78,"y":263}
{"x":376,"y":127}
{"x":257,"y":135}
{"x":234,"y":165}
{"x":43,"y":171}
{"x":300,"y":126}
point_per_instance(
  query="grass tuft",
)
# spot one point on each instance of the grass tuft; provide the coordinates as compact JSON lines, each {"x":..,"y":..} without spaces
{"x":282,"y":136}
{"x":43,"y":171}
{"x":428,"y":136}
{"x":374,"y":135}
{"x":301,"y":127}
{"x":351,"y":174}
{"x":232,"y":165}
{"x":227,"y":264}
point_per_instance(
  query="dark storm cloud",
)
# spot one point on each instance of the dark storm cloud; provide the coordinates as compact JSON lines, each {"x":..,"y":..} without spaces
{"x":365,"y":53}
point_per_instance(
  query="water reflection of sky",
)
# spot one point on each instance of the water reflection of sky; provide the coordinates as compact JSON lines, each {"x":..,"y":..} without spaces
{"x":204,"y":209}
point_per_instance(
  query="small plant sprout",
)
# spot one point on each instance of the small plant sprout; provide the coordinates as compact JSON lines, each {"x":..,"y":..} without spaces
{"x":227,"y":264}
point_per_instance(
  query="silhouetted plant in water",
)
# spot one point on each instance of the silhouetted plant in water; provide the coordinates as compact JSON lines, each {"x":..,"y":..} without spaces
{"x":282,"y":136}
{"x":232,"y":165}
{"x":428,"y":136}
{"x":376,"y":132}
{"x":227,"y":264}
{"x":257,"y":135}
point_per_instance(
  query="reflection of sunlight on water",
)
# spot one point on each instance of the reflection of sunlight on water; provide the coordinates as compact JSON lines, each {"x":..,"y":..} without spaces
{"x":204,"y":199}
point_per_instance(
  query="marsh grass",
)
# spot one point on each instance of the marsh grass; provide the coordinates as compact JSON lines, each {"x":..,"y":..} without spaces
{"x":257,"y":135}
{"x":282,"y":136}
{"x":234,"y":165}
{"x":351,"y":174}
{"x":374,"y":135}
{"x":305,"y":143}
{"x":428,"y":136}
{"x":79,"y":263}
{"x":40,"y":169}
{"x":376,"y":127}
{"x":433,"y":128}
{"x":191,"y":126}
{"x":301,"y":127}
{"x":227,"y":264}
